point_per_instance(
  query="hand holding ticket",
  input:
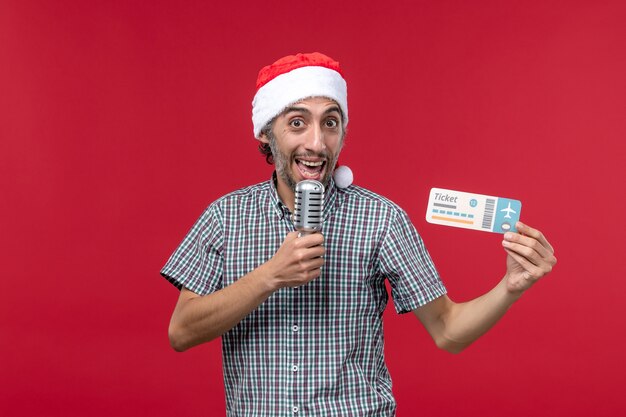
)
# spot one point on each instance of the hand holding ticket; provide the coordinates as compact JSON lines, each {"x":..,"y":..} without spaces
{"x":472,"y":211}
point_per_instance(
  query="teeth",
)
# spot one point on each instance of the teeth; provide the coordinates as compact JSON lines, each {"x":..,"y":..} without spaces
{"x":312,"y":164}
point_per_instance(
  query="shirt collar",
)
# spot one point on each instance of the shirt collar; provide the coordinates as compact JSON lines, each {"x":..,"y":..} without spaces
{"x":277,"y":206}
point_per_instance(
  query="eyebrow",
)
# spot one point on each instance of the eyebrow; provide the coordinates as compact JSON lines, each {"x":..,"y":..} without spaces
{"x":307,"y":111}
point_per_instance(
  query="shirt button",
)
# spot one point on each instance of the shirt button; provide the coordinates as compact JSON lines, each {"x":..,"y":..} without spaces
{"x":294,"y":368}
{"x":295,"y":328}
{"x":295,"y":409}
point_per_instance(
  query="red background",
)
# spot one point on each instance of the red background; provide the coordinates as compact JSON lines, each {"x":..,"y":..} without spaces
{"x":120,"y":121}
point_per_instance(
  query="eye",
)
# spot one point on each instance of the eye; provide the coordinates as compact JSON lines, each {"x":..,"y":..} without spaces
{"x":297,"y":123}
{"x":331,"y":123}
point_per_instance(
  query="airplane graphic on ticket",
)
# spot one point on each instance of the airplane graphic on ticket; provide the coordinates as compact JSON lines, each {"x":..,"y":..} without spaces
{"x":472,"y":211}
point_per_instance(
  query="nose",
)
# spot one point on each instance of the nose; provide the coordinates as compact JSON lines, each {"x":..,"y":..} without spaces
{"x":315,"y":140}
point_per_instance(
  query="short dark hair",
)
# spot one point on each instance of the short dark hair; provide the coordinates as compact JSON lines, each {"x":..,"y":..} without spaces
{"x":265,"y":148}
{"x":266,"y":151}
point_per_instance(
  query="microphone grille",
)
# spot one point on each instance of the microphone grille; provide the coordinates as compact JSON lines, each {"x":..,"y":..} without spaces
{"x":309,"y":205}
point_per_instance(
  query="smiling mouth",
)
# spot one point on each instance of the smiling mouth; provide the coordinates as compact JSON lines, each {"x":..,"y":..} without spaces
{"x":311,"y":169}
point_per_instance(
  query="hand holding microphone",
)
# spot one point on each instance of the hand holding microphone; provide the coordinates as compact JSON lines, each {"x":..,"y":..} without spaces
{"x":300,"y":257}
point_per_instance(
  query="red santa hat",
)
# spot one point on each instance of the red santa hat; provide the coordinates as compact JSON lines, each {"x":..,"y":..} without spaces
{"x":294,"y":78}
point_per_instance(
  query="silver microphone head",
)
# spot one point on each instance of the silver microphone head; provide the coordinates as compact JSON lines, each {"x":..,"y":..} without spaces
{"x":309,"y":204}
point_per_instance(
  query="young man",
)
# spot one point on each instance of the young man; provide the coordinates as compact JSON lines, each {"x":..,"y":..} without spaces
{"x":301,"y":317}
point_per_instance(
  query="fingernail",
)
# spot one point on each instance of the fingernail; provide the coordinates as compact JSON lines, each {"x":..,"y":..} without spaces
{"x":508,"y":236}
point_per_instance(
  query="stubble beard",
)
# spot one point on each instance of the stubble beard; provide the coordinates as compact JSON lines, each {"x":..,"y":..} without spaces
{"x":283,"y":164}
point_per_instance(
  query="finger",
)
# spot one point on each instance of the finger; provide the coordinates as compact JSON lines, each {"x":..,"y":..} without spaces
{"x":529,"y":242}
{"x":530,"y":270}
{"x":310,"y":270}
{"x":524,"y":251}
{"x":314,"y":264}
{"x":306,"y":255}
{"x":291,"y":236}
{"x":544,"y":264}
{"x":317,"y":251}
{"x":534,"y":233}
{"x":309,"y":241}
{"x":536,"y":241}
{"x":304,"y":278}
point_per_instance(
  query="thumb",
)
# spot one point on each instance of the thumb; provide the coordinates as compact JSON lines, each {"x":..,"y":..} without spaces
{"x":291,"y":236}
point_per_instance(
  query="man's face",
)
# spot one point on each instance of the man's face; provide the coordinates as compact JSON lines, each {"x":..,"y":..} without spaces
{"x":307,"y":139}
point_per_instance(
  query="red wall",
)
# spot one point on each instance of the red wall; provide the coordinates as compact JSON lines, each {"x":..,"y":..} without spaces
{"x":120,"y":121}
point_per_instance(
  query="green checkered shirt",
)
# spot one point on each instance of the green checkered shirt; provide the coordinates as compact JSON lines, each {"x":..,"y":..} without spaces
{"x":315,"y":350}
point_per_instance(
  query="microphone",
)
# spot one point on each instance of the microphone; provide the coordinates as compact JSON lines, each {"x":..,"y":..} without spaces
{"x":308,"y":207}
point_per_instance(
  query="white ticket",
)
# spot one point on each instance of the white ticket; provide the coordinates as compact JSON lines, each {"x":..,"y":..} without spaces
{"x":472,"y":211}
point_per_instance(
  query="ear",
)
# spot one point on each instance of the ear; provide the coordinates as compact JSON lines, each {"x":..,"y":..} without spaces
{"x":263,"y":138}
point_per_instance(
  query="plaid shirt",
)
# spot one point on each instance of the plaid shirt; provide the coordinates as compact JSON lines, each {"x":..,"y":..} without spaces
{"x":315,"y":350}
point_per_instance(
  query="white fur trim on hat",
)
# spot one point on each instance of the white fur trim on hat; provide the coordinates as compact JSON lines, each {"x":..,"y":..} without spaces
{"x":291,"y":87}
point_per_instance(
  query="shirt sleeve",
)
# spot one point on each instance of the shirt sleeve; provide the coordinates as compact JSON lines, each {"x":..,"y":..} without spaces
{"x":407,"y":265}
{"x":198,"y":264}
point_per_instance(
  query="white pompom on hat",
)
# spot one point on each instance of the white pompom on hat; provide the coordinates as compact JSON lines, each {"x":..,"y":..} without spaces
{"x":294,"y":78}
{"x":343,"y":176}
